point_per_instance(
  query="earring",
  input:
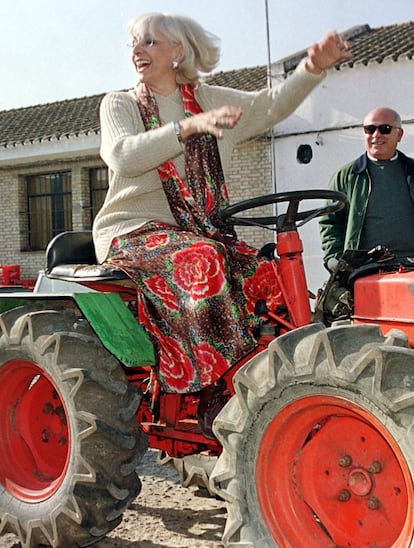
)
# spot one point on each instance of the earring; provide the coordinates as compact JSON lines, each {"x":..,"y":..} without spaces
{"x":174,"y":64}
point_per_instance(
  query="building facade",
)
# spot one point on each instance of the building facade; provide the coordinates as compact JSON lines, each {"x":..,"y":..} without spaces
{"x":52,"y":177}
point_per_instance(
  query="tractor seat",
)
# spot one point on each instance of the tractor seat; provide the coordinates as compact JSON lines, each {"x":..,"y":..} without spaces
{"x":70,"y":256}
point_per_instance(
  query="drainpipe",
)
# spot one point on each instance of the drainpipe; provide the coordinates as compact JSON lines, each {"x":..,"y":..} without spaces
{"x":270,"y":84}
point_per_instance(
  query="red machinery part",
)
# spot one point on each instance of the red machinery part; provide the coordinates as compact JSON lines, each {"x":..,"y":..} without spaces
{"x":336,"y":479}
{"x":386,"y":299}
{"x":33,"y":453}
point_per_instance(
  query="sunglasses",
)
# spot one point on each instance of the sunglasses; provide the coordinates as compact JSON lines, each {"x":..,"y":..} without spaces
{"x":384,"y":129}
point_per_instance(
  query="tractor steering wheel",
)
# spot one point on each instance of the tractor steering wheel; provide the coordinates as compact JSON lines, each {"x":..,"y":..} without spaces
{"x":290,"y":219}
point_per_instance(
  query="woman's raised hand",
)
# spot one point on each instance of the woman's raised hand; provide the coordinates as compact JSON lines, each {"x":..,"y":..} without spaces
{"x":331,"y":50}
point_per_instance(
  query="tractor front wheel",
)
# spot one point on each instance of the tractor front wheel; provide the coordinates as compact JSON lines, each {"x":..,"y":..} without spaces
{"x":318,"y":442}
{"x":69,"y":439}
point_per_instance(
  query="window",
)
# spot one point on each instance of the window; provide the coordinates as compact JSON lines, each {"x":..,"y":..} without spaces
{"x":49,"y":208}
{"x":98,"y":185}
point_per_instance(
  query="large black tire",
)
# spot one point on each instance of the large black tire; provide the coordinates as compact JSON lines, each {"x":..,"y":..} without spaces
{"x":70,"y":443}
{"x":192,"y":470}
{"x":318,"y":442}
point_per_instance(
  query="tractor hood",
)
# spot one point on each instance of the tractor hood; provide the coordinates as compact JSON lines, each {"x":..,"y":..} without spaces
{"x":387,"y":299}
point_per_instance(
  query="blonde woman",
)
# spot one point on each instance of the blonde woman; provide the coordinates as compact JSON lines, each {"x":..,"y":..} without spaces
{"x":168,"y":144}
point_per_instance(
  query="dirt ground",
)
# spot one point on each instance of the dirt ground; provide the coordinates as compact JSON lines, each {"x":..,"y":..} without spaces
{"x":164,"y":515}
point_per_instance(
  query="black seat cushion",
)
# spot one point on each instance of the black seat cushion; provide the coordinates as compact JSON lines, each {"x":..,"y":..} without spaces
{"x":71,"y":256}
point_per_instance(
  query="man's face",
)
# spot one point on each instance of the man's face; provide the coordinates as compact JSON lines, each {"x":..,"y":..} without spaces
{"x":380,"y":145}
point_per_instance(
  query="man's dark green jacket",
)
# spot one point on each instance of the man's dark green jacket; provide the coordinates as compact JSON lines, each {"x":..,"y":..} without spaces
{"x":342,"y":230}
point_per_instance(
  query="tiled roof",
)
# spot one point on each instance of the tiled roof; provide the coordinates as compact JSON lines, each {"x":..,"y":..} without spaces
{"x":64,"y":119}
{"x":58,"y":120}
{"x":375,"y":45}
{"x":368,"y":46}
{"x":248,"y":79}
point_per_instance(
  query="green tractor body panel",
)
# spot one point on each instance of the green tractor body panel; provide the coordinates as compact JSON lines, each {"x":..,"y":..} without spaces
{"x":117,"y":328}
{"x":110,"y":318}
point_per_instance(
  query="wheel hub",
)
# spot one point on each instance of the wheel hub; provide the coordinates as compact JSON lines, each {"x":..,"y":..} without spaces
{"x":360,"y":482}
{"x":351,"y":492}
{"x":343,"y":479}
{"x":34,"y":451}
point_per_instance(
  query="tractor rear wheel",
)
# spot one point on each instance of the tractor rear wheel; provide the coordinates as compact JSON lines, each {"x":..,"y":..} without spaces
{"x":318,"y":446}
{"x":69,"y":439}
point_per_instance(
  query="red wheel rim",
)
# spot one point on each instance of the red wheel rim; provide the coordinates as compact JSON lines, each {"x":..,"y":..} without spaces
{"x":328,"y":473}
{"x":34,"y":433}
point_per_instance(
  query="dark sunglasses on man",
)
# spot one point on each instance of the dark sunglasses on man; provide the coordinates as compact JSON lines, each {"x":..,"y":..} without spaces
{"x":384,"y":129}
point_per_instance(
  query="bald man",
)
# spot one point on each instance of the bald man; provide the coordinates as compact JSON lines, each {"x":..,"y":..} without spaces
{"x":380,"y":190}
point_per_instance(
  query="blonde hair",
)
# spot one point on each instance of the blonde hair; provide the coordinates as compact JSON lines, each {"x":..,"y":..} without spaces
{"x":201,"y":52}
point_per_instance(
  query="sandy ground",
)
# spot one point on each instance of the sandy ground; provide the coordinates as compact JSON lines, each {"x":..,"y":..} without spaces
{"x":164,"y":515}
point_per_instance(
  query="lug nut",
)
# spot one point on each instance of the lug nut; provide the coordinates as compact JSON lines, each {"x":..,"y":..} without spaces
{"x":344,"y":495}
{"x":47,"y":408}
{"x":345,"y":461}
{"x":375,"y":467}
{"x":45,"y":436}
{"x":373,"y":503}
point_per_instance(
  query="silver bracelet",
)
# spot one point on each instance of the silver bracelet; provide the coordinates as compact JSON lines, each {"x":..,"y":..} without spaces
{"x":177,"y":129}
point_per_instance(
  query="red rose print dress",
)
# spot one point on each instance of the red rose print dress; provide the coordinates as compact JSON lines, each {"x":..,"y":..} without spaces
{"x":197,"y":283}
{"x":197,"y":300}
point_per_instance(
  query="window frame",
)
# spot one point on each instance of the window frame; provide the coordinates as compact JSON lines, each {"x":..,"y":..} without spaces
{"x":48,"y":207}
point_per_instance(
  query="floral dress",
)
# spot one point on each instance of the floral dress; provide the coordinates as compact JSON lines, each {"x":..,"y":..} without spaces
{"x":197,"y":300}
{"x":198,"y":284}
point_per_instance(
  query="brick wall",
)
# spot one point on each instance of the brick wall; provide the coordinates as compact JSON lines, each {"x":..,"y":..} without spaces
{"x":250,"y":176}
{"x":9,"y":214}
{"x":13,"y":218}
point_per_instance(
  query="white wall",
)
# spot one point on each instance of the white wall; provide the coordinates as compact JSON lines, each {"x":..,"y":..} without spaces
{"x":49,"y":150}
{"x":328,"y":117}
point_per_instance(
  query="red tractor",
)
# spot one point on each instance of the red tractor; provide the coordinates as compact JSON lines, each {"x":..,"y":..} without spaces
{"x":311,"y":435}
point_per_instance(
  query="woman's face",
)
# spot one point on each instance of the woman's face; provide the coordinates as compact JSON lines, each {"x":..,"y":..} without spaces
{"x":152,"y":57}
